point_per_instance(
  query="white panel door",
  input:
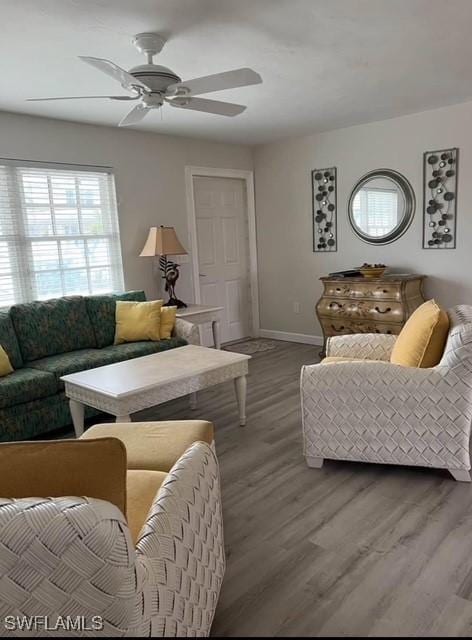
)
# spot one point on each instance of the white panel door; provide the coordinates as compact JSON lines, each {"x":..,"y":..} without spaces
{"x":223,"y":253}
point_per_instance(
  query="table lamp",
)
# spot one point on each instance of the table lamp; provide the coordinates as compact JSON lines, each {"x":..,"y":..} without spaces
{"x":162,"y":242}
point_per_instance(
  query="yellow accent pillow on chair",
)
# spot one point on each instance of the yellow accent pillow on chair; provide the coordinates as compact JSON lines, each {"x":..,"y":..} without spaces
{"x":136,"y":321}
{"x":421,"y":341}
{"x":168,"y":315}
{"x":5,"y":364}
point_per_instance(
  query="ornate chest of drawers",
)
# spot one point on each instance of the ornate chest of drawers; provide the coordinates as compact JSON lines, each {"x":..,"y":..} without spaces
{"x":362,"y":305}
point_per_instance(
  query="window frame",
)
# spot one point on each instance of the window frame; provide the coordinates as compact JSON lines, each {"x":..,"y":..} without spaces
{"x":21,"y":256}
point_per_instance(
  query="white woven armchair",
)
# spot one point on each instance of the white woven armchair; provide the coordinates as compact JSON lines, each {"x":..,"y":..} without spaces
{"x":372,"y":411}
{"x":73,"y":560}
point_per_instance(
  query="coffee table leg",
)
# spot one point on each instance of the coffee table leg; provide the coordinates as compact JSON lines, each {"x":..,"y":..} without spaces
{"x":240,"y":386}
{"x":123,"y":418}
{"x":193,"y":400}
{"x":77,"y":413}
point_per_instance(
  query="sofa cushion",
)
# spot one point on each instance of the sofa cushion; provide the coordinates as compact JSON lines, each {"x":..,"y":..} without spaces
{"x":84,"y":359}
{"x":8,"y":339}
{"x":142,"y":488}
{"x":64,"y":363}
{"x":130,"y":350}
{"x":32,"y":418}
{"x":101,"y":310}
{"x":422,"y":339}
{"x":25,"y":385}
{"x":51,"y":327}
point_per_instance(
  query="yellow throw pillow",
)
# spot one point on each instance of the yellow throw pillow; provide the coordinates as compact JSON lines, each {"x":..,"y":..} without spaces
{"x":5,"y":364}
{"x":137,"y":321}
{"x":167,"y":321}
{"x":421,"y":341}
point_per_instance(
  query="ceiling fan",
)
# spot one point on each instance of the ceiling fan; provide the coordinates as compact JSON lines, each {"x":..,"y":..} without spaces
{"x":152,"y":84}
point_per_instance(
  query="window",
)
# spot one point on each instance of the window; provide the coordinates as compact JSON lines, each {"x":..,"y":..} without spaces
{"x":376,"y":211}
{"x":58,"y":232}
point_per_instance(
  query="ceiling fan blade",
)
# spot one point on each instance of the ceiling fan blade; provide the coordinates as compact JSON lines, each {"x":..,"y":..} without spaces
{"x":208,"y":106}
{"x":135,"y":115}
{"x":84,"y":98}
{"x":217,"y":82}
{"x":126,"y":80}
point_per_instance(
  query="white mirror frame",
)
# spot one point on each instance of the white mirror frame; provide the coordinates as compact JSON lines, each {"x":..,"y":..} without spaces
{"x":410,"y":205}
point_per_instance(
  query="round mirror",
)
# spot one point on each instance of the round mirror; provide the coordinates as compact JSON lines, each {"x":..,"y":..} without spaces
{"x":381,"y":206}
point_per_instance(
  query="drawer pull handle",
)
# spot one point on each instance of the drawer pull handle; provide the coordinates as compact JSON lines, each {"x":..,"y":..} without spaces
{"x":341,"y":328}
{"x":385,"y":311}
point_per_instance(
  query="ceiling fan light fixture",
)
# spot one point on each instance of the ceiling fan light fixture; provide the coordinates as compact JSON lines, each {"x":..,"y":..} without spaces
{"x":154,"y":100}
{"x":154,"y":84}
{"x":155,"y":76}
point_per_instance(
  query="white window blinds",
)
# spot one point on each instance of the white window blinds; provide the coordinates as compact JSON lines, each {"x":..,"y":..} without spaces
{"x":376,"y":210}
{"x":59,"y":232}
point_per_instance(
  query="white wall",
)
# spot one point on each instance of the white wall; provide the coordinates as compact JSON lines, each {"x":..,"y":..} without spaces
{"x":149,"y":174}
{"x":289,"y":270}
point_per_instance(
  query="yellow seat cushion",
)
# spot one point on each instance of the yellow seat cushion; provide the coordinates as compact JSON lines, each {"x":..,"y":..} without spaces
{"x":136,"y":321}
{"x":142,"y":488}
{"x":168,"y":315}
{"x":5,"y":364}
{"x":94,"y":468}
{"x":155,"y":446}
{"x":421,"y":341}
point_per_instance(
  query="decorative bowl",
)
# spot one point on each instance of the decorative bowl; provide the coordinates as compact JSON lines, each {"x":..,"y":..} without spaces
{"x":372,"y":271}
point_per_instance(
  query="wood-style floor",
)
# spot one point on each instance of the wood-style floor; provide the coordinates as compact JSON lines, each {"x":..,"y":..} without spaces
{"x":348,"y":550}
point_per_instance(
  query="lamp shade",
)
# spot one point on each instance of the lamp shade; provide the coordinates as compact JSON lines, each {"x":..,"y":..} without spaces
{"x":162,"y":241}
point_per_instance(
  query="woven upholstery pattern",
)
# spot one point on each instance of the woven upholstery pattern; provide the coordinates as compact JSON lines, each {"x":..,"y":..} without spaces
{"x":182,"y":546}
{"x":74,"y":557}
{"x":380,"y":412}
{"x":186,"y":330}
{"x":67,"y":556}
{"x":367,"y":346}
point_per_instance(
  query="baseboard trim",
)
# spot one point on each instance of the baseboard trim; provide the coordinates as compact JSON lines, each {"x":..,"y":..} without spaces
{"x":288,"y":336}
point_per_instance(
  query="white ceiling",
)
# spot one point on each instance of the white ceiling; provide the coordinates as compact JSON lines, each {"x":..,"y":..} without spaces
{"x":325,"y":63}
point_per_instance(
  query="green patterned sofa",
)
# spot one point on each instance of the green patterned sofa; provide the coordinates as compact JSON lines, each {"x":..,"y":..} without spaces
{"x":46,"y":340}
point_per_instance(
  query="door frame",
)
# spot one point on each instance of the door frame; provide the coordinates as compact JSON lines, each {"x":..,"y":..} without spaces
{"x":248,"y":176}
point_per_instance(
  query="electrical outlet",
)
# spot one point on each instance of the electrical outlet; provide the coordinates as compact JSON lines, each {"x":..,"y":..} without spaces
{"x":296,"y":307}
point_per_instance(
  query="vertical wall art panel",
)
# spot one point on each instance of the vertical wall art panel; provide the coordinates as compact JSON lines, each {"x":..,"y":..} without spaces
{"x":324,"y":209}
{"x":440,"y":199}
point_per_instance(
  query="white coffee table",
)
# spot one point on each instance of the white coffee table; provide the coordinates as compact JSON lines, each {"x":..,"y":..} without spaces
{"x":126,"y":387}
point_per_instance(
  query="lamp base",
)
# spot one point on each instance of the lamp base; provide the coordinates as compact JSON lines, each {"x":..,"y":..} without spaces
{"x":175,"y":302}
